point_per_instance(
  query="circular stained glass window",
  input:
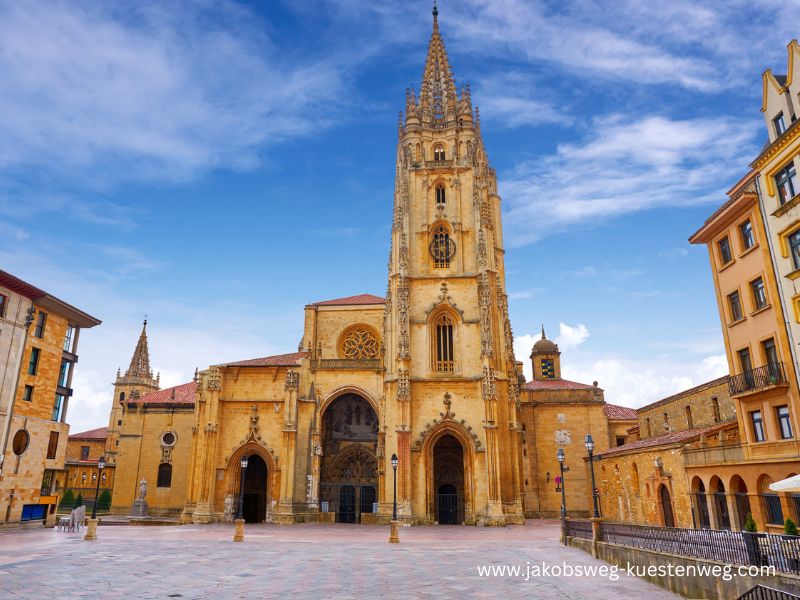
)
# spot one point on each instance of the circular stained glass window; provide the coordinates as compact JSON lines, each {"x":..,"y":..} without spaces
{"x":21,"y":441}
{"x":168,"y":439}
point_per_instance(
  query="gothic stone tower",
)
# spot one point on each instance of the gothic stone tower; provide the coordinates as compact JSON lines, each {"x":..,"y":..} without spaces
{"x":451,"y":382}
{"x":137,"y":381}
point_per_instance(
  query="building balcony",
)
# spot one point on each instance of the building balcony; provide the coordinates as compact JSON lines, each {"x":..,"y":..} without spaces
{"x":756,"y":380}
{"x":714,"y":455}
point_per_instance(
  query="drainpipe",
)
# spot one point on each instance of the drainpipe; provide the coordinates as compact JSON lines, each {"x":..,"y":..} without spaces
{"x":778,"y":281}
{"x":28,"y":323}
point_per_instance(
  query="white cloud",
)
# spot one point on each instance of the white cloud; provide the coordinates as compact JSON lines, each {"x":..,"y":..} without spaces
{"x":146,"y":91}
{"x":571,"y":337}
{"x":625,"y":166}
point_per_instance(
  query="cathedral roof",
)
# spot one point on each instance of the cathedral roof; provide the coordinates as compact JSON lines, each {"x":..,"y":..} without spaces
{"x":182,"y":395}
{"x":100,"y":433}
{"x":619,"y":413}
{"x":352,"y":300}
{"x":555,"y":384}
{"x":278,"y":360}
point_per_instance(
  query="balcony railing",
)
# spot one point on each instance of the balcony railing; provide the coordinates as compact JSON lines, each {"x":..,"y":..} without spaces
{"x":350,"y":363}
{"x":756,"y":379}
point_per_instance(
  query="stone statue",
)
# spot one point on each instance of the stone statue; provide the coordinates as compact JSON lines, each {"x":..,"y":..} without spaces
{"x":142,"y":489}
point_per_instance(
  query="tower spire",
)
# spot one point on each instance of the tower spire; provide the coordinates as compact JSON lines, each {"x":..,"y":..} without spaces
{"x":140,"y":362}
{"x":438,"y":90}
{"x":544,"y":337}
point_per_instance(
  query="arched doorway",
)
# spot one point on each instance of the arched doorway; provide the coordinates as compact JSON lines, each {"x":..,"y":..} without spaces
{"x":448,"y":480}
{"x":666,"y":506}
{"x":701,"y":502}
{"x":720,"y":504}
{"x":254,"y":509}
{"x":349,"y":467}
{"x":739,"y":489}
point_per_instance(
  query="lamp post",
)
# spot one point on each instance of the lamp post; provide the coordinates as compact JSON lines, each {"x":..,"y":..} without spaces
{"x":91,"y":529}
{"x":238,"y":535}
{"x":589,"y":442}
{"x":393,"y":538}
{"x":560,"y":457}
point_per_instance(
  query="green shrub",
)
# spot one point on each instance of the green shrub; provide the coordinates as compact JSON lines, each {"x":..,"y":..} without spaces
{"x":750,"y":524}
{"x":104,"y":501}
{"x":789,"y":527}
{"x":79,"y":500}
{"x":68,"y":499}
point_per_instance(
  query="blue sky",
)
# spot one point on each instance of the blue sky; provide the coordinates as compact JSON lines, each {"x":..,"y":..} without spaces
{"x":217,"y":165}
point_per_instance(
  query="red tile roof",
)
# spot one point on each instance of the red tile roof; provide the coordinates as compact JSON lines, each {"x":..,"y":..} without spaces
{"x":555,"y":384}
{"x":359,"y":299}
{"x":100,"y":433}
{"x":673,"y":437}
{"x":278,"y":360}
{"x":182,"y":395}
{"x":619,"y":413}
{"x":23,"y":288}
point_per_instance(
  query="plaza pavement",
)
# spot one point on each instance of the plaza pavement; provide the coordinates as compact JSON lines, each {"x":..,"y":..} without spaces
{"x":305,"y":561}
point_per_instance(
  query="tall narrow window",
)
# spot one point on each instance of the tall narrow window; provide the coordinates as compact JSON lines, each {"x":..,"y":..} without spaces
{"x":794,"y":244}
{"x":52,"y":445}
{"x":441,"y":198}
{"x":786,"y":182}
{"x":3,"y":304}
{"x":442,"y":248}
{"x":445,"y":360}
{"x":84,"y":452}
{"x":438,"y":152}
{"x":649,"y":431}
{"x":758,"y":426}
{"x":68,"y":338}
{"x":41,"y":319}
{"x":759,"y":293}
{"x":725,"y":255}
{"x":715,"y":407}
{"x":784,"y":422}
{"x":33,"y":363}
{"x":58,"y":405}
{"x":735,"y":305}
{"x":689,"y":421}
{"x":63,"y":374}
{"x":164,"y":475}
{"x":746,"y":231}
{"x":27,"y":393}
{"x":780,"y":125}
{"x":770,"y":352}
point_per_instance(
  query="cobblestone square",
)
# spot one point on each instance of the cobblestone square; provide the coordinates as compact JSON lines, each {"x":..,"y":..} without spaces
{"x":308,"y":561}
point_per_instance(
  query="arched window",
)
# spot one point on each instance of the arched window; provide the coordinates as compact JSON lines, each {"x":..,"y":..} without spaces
{"x":442,"y":247}
{"x":443,"y":331}
{"x":441,"y":198}
{"x":635,"y":478}
{"x":164,"y":475}
{"x":122,"y":396}
{"x":438,"y":152}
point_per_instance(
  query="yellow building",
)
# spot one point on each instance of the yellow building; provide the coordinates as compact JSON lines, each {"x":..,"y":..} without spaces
{"x":84,"y":449}
{"x":40,"y":333}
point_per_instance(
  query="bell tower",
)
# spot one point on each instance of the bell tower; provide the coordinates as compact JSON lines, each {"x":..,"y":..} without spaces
{"x":448,"y":340}
{"x":136,"y":381}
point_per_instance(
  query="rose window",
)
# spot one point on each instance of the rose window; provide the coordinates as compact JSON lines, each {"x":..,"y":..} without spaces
{"x":360,"y":343}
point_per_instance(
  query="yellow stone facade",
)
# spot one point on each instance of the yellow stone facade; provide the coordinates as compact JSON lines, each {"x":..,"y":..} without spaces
{"x":84,"y":449}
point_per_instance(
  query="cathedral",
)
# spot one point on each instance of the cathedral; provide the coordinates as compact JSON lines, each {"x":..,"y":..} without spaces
{"x":426,"y":373}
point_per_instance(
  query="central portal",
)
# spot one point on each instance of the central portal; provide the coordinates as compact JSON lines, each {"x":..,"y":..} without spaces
{"x":254,"y":507}
{"x":448,"y":480}
{"x":349,"y":470}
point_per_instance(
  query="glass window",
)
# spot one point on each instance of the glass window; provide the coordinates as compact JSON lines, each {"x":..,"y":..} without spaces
{"x":445,"y":361}
{"x":548,"y":368}
{"x":442,"y":248}
{"x":746,"y":231}
{"x":47,"y":482}
{"x":438,"y":153}
{"x":735,"y":305}
{"x":715,"y":407}
{"x":725,"y":255}
{"x":759,"y":293}
{"x":41,"y":319}
{"x":52,"y":445}
{"x":794,"y":243}
{"x":784,"y":422}
{"x":758,"y":426}
{"x":774,"y":510}
{"x":63,"y":374}
{"x":33,"y":363}
{"x":441,"y":197}
{"x":3,"y":304}
{"x":770,"y":352}
{"x":786,"y":182}
{"x":84,"y":452}
{"x":58,"y":404}
{"x":68,"y":338}
{"x":780,"y":125}
{"x":27,"y":393}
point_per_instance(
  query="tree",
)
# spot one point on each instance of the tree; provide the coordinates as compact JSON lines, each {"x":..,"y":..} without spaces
{"x":789,"y":527}
{"x":750,"y":524}
{"x":104,"y":501}
{"x":68,"y":499}
{"x":79,"y":500}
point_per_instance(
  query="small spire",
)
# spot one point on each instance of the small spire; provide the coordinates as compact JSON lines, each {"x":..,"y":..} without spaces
{"x":544,"y":337}
{"x":435,"y":13}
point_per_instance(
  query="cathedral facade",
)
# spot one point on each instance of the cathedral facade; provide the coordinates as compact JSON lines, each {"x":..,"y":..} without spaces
{"x":426,"y":373}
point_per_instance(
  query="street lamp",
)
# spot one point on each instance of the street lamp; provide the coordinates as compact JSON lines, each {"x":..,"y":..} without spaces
{"x":560,"y":457}
{"x":101,"y":464}
{"x":393,"y":539}
{"x":91,"y":529}
{"x":589,"y":442}
{"x":238,"y":535}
